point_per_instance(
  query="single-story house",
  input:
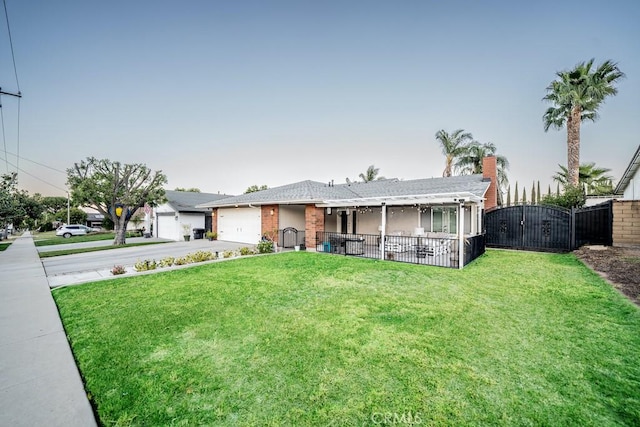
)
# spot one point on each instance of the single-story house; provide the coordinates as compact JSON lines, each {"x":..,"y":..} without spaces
{"x":626,"y":207}
{"x":179,"y":215}
{"x":390,"y":218}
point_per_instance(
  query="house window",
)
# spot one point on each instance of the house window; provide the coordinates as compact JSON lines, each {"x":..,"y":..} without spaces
{"x":444,"y":220}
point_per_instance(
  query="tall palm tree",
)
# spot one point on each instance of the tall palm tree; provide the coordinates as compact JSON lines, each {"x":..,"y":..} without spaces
{"x":576,"y":95}
{"x":453,"y":146}
{"x":371,"y":174}
{"x":470,"y":161}
{"x":591,"y":177}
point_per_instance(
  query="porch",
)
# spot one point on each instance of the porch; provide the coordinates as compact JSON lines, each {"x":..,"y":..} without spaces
{"x":432,"y":249}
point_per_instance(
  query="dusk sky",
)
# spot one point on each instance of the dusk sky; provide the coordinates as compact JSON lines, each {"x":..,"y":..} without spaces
{"x":222,"y":95}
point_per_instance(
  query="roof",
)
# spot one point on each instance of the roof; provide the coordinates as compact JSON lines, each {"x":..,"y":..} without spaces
{"x":388,"y":191}
{"x":188,"y":201}
{"x":628,"y":174}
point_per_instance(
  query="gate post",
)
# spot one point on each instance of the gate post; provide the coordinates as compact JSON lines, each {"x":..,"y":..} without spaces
{"x":572,"y":229}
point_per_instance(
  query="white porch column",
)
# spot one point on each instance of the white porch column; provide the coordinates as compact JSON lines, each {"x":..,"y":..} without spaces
{"x":461,"y":235}
{"x":383,"y":230}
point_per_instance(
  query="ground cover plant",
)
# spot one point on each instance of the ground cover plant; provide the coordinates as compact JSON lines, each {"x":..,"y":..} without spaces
{"x":315,"y":339}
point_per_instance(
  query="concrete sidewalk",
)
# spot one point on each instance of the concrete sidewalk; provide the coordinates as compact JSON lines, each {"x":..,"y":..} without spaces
{"x":39,"y":380}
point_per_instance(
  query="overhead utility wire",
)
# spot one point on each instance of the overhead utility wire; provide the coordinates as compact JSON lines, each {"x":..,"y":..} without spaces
{"x":4,"y":140}
{"x":13,"y":57}
{"x":33,"y":176}
{"x":19,"y":94}
{"x":37,"y":163}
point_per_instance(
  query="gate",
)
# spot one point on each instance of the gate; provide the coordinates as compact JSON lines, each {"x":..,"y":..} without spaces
{"x":289,"y":237}
{"x":529,"y":227}
{"x":594,"y":225}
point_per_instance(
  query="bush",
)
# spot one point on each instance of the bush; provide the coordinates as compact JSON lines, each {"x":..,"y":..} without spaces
{"x":46,"y":226}
{"x":227,"y":254}
{"x":246,"y":251}
{"x":211,"y":235}
{"x":118,"y":269}
{"x":573,"y":197}
{"x":167,"y":261}
{"x":200,"y":256}
{"x":145,"y":265}
{"x":265,"y":247}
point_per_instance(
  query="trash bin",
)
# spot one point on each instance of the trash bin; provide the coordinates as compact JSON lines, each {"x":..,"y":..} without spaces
{"x":198,"y":233}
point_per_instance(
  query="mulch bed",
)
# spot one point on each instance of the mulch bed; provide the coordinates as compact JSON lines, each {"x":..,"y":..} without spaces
{"x":618,"y":265}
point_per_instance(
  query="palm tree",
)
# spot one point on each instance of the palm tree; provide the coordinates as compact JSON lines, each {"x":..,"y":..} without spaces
{"x":453,"y":146}
{"x":577,"y":94}
{"x":470,"y":161}
{"x":371,"y":174}
{"x":592,"y":178}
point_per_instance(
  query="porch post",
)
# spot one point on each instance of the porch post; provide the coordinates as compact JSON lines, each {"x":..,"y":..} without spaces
{"x":461,"y":235}
{"x":383,"y":232}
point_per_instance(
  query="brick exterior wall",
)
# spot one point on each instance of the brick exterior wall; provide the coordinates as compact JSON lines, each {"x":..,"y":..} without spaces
{"x":490,"y":171}
{"x":214,"y":220}
{"x":270,"y":223}
{"x":626,"y":222}
{"x":313,"y":223}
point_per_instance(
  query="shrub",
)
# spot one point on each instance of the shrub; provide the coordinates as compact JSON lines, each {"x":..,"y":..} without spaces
{"x":246,"y":251}
{"x":181,"y":261}
{"x":200,"y":256}
{"x":167,"y":261}
{"x":145,"y":265}
{"x":227,"y":254}
{"x":265,"y":247}
{"x":573,"y":197}
{"x":118,"y":269}
{"x":211,"y":235}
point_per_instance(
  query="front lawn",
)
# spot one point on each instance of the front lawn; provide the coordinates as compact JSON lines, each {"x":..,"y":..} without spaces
{"x":4,"y":246}
{"x":49,"y":238}
{"x":314,"y":339}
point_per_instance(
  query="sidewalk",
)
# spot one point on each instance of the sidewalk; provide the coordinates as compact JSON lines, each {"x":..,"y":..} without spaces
{"x":39,"y":380}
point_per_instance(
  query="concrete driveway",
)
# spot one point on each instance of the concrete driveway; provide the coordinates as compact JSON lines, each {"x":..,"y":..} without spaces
{"x":90,"y":266}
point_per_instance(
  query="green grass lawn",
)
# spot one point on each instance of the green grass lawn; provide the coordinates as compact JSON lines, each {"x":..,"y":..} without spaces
{"x":49,"y":238}
{"x":50,"y":254}
{"x":304,"y":339}
{"x":4,"y":245}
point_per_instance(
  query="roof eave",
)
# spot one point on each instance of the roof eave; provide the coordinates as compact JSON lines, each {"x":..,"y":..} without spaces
{"x":628,"y":173}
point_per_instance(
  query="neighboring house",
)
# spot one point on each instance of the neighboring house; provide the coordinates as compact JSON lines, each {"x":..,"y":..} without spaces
{"x":626,"y":208}
{"x":94,"y":219}
{"x":391,"y":207}
{"x":180,"y":213}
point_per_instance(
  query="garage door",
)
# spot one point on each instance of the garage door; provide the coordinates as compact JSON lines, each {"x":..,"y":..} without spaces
{"x":239,"y":225}
{"x":166,"y":227}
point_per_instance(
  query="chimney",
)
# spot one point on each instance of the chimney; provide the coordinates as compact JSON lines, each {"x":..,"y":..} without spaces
{"x":489,"y":173}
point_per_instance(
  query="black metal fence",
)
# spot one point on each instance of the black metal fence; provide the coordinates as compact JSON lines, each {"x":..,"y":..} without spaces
{"x":593,"y":225}
{"x":548,"y":228}
{"x":438,"y":251}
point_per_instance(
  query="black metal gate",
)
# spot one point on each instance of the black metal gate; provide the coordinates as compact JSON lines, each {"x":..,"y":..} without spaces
{"x":594,"y":225}
{"x":529,"y":227}
{"x":289,"y":237}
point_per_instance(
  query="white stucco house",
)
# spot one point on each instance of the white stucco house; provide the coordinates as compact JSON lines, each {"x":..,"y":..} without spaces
{"x":626,"y":206}
{"x":179,"y":215}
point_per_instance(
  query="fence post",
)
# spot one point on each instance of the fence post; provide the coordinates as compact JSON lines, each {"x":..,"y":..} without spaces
{"x":572,"y":228}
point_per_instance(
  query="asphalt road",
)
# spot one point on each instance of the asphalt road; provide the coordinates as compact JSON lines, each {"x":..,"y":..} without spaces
{"x":100,"y":260}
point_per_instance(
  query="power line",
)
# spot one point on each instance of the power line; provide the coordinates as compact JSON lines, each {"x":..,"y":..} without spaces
{"x":13,"y":57}
{"x":4,"y":140}
{"x":33,"y":176}
{"x":37,"y":163}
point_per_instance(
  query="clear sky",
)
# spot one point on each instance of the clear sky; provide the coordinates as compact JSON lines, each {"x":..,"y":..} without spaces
{"x":221,"y":95}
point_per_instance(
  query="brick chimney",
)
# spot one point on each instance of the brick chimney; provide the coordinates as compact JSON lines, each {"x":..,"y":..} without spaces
{"x":490,"y":173}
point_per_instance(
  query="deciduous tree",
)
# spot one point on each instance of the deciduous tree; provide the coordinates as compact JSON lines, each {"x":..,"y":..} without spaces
{"x":115,"y":190}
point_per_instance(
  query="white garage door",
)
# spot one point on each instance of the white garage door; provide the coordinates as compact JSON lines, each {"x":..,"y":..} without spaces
{"x":167,"y":228}
{"x":239,"y":225}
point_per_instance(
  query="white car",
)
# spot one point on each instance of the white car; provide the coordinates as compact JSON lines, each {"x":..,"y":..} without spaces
{"x":67,"y":231}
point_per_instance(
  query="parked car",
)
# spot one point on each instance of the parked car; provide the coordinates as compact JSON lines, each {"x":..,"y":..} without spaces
{"x":67,"y":231}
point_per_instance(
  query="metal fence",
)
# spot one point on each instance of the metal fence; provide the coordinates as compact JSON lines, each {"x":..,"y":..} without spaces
{"x":438,"y":251}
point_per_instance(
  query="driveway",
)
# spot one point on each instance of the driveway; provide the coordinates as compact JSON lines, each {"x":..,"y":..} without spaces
{"x":77,"y":268}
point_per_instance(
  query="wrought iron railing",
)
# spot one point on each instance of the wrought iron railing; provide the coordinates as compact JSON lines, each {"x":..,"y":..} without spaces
{"x":438,"y":251}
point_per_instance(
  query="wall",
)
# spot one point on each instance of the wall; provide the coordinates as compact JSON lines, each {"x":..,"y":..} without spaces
{"x":632,"y":192}
{"x":292,"y":216}
{"x":626,"y":222}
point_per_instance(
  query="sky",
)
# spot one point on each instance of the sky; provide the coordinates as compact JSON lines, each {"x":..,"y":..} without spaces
{"x":222,"y":95}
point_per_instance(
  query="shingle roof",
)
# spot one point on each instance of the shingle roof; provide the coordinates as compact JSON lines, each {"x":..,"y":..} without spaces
{"x":186,"y":201}
{"x":318,"y":192}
